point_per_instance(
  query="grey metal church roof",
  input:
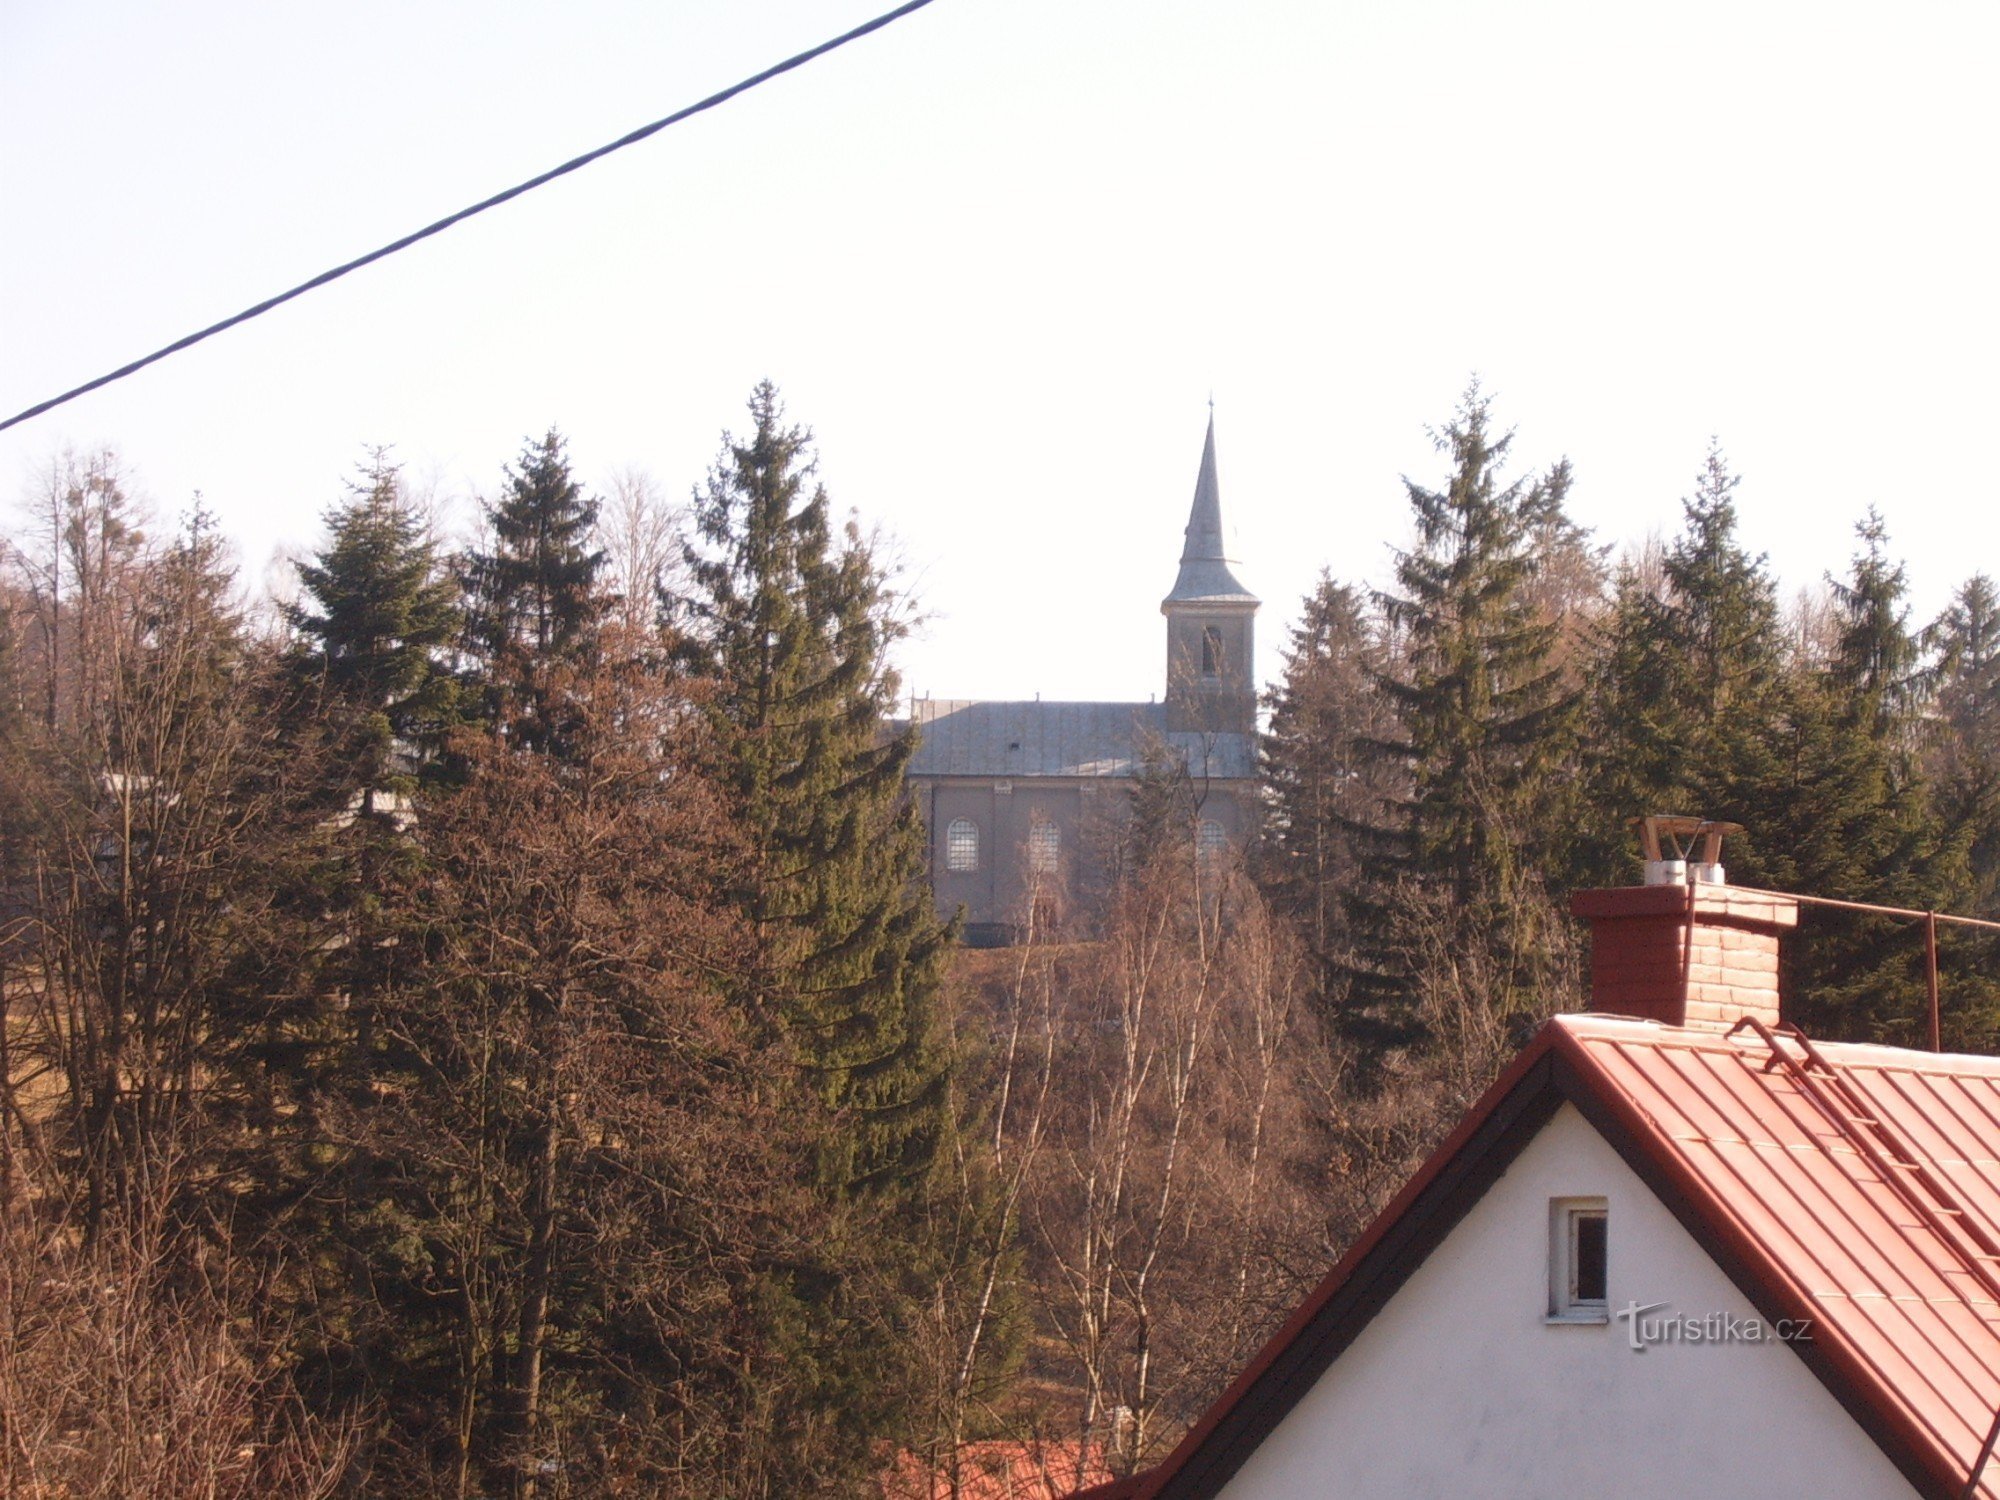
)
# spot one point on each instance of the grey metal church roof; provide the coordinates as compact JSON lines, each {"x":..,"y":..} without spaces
{"x":969,"y":737}
{"x":1205,"y":559}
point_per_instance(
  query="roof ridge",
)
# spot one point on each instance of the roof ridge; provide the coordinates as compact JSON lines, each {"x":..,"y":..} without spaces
{"x":1873,"y":1055}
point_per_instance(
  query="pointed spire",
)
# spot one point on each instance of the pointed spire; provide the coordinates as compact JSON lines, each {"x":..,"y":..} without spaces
{"x":1205,"y":560}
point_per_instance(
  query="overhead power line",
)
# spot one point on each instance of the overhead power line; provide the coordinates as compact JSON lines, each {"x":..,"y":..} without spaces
{"x":631,"y":139}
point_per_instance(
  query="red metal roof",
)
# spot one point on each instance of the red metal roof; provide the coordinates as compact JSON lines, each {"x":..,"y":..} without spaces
{"x":1857,"y":1186}
{"x":1788,"y":1166}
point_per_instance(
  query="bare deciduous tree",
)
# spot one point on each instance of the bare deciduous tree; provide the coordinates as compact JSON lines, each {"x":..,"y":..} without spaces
{"x":120,"y":1380}
{"x":1166,"y":1220}
{"x":641,"y":532}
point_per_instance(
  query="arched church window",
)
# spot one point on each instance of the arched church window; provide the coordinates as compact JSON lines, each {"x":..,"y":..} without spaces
{"x":1211,"y":839}
{"x":1211,"y":651}
{"x":1044,"y":847}
{"x":961,"y":846}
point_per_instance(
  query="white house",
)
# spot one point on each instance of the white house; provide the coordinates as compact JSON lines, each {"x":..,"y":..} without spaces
{"x":1676,"y":1251}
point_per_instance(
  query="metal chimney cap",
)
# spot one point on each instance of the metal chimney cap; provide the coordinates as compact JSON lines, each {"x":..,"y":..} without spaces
{"x":1671,"y":838}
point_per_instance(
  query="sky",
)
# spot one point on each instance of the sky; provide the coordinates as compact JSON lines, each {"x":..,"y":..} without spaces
{"x":1000,"y":256}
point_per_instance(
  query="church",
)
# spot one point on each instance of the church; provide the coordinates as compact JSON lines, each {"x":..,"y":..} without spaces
{"x":1024,"y":800}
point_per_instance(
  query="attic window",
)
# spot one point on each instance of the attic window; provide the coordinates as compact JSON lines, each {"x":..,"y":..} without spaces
{"x":1579,"y":1245}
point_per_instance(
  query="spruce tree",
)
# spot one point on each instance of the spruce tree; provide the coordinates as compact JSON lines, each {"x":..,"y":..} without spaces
{"x":374,"y":702}
{"x":1966,"y":750}
{"x":791,"y":626}
{"x":1482,"y":706}
{"x":528,"y":1119}
{"x":1686,"y":686}
{"x":1723,"y":621}
{"x":1703,"y":707}
{"x":1632,"y":759}
{"x":378,"y":617}
{"x":1850,"y":817}
{"x":534,"y":611}
{"x":375,"y":705}
{"x":1875,"y":664}
{"x":1964,"y":774}
{"x":1319,"y":781}
{"x":1485,"y":733}
{"x":535,"y":602}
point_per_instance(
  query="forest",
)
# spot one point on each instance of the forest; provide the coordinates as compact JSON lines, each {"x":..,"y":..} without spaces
{"x":474,"y":1022}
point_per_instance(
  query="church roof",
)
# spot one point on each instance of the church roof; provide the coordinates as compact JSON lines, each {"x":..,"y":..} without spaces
{"x":967,"y":737}
{"x":1205,"y":560}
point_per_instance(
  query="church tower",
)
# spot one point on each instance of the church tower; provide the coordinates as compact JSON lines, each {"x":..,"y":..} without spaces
{"x":1211,"y":623}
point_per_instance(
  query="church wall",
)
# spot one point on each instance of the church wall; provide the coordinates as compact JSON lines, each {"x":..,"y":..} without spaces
{"x":945,"y":801}
{"x":1087,"y":814}
{"x":1006,"y":812}
{"x":1230,"y":804}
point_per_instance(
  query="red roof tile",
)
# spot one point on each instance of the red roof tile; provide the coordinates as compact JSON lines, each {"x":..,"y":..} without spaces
{"x":1857,"y":1186}
{"x":1001,"y":1470}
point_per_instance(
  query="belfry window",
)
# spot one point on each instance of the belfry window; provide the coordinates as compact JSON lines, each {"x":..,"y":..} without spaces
{"x":1211,"y":651}
{"x":961,"y":846}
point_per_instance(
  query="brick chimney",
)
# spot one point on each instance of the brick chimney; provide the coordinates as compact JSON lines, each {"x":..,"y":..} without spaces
{"x":1685,"y":949}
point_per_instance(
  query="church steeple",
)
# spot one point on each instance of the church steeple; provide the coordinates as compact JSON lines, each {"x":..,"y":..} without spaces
{"x":1211,"y":621}
{"x":1205,"y":558}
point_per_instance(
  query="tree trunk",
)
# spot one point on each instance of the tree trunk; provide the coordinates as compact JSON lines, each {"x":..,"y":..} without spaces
{"x":536,"y":1278}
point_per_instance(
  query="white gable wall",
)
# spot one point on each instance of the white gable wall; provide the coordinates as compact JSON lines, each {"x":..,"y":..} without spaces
{"x":1458,"y":1388}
